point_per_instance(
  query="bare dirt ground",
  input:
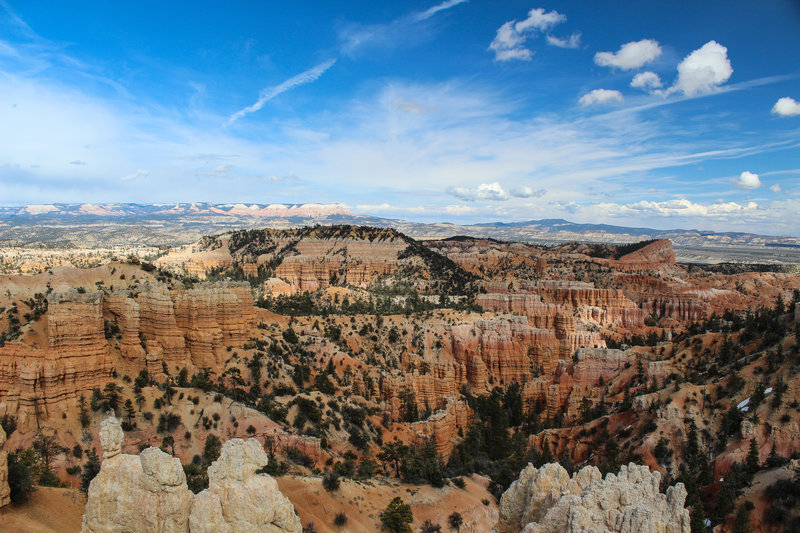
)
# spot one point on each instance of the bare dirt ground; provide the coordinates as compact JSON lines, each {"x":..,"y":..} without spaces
{"x":363,"y":503}
{"x":49,"y":510}
{"x":52,"y":510}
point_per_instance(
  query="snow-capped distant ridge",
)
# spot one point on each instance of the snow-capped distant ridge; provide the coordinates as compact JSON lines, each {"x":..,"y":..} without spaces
{"x":309,"y":210}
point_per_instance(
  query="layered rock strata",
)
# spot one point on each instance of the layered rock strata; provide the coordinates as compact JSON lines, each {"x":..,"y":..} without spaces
{"x":548,"y":500}
{"x":443,"y":426}
{"x":149,"y":324}
{"x":36,"y":384}
{"x":148,"y":493}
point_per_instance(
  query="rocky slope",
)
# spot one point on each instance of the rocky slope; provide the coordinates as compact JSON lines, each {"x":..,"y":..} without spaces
{"x":420,"y":361}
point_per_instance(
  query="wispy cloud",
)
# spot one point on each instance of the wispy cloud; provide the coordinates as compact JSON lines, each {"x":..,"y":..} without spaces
{"x":573,"y":41}
{"x":431,"y":11}
{"x":269,"y":93}
{"x":357,"y":38}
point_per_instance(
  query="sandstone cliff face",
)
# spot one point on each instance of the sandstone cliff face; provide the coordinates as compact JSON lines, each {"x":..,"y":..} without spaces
{"x":443,"y":427}
{"x":148,"y":493}
{"x":183,"y":328}
{"x":5,"y":492}
{"x":212,"y":316}
{"x":547,"y":500}
{"x":47,"y":382}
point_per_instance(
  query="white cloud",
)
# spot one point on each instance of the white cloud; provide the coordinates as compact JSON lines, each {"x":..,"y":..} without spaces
{"x":776,"y":188}
{"x":389,"y":208}
{"x":511,"y":36}
{"x":747,"y":180}
{"x":458,"y":209}
{"x":539,"y":19}
{"x":646,"y":81}
{"x":703,"y":70}
{"x":786,"y":107}
{"x":484,"y":191}
{"x":136,"y":175}
{"x":269,"y":93}
{"x":631,"y":55}
{"x":676,"y":208}
{"x":600,"y":96}
{"x":431,"y":11}
{"x":219,"y":171}
{"x":527,"y":192}
{"x":574,"y":41}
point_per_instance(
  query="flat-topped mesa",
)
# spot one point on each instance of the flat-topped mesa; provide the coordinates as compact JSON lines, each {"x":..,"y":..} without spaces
{"x":144,"y":322}
{"x":659,"y":252}
{"x":548,"y":500}
{"x":148,"y":492}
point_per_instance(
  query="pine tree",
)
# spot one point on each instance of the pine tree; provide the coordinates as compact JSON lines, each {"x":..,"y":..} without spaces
{"x":752,"y":463}
{"x":697,"y":520}
{"x":396,"y":517}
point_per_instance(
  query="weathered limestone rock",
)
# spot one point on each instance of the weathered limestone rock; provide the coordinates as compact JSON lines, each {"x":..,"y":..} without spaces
{"x":134,"y":494}
{"x":547,"y":500}
{"x":237,"y":499}
{"x":148,"y":493}
{"x":5,"y":493}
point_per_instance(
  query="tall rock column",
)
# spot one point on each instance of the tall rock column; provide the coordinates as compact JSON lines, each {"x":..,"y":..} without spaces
{"x":237,"y":499}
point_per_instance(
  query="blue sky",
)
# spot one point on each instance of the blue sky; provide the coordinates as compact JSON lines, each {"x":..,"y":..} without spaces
{"x":663,"y":114}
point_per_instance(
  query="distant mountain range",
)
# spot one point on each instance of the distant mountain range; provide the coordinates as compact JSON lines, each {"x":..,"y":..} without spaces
{"x":99,"y":225}
{"x":172,"y":210}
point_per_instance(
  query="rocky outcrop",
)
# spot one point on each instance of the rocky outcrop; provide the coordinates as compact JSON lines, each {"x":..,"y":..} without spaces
{"x":5,"y":492}
{"x":239,"y":500}
{"x":443,"y":427}
{"x":656,"y":253}
{"x":158,"y":328}
{"x":548,"y":500}
{"x":147,"y":323}
{"x":148,"y":493}
{"x":545,"y":298}
{"x":75,"y":323}
{"x":507,"y":350}
{"x":212,"y":316}
{"x":36,"y":384}
{"x":134,"y":494}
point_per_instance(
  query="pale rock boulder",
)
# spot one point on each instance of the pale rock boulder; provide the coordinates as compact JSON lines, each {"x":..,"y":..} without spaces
{"x":238,"y":500}
{"x":5,"y":492}
{"x":136,"y":494}
{"x":547,"y":500}
{"x":148,"y":493}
